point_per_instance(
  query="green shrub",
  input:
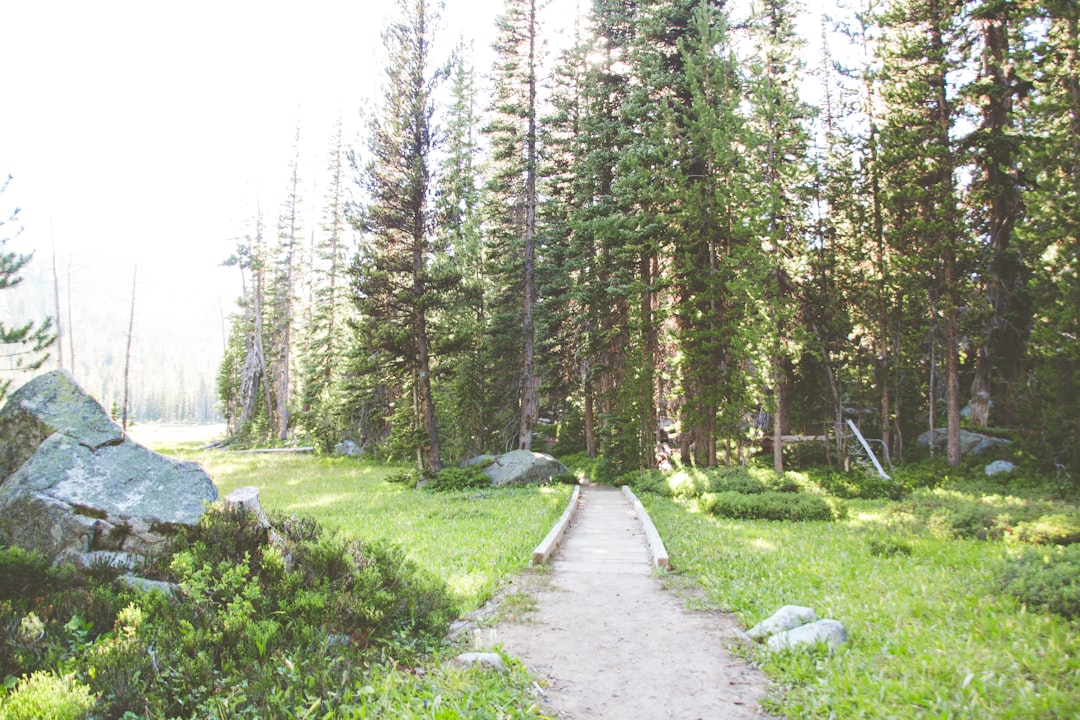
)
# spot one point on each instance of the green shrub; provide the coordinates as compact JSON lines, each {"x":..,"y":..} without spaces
{"x":949,"y":513}
{"x":566,"y":478}
{"x":461,"y":478}
{"x":1057,"y":529}
{"x":410,"y":478}
{"x":888,"y":546}
{"x":45,"y":696}
{"x":767,"y":506}
{"x":249,"y":603}
{"x":736,"y":480}
{"x":1045,"y":577}
{"x":859,"y":484}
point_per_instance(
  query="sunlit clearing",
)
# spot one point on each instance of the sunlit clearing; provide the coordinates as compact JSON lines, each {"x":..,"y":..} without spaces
{"x":319,"y":501}
{"x":466,"y":584}
{"x":762,"y":544}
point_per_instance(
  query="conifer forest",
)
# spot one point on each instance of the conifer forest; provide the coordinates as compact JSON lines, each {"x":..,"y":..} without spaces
{"x":690,"y":235}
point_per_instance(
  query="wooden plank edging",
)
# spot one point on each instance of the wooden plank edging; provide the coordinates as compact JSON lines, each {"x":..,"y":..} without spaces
{"x":544,"y":550}
{"x":656,"y":544}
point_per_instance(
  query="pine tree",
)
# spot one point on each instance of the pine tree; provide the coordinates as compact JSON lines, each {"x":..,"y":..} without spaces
{"x":246,"y":388}
{"x":26,"y":345}
{"x":919,"y":160}
{"x":512,"y":193}
{"x":781,"y":148}
{"x":465,"y":367}
{"x":287,"y":271}
{"x":997,"y":204}
{"x":326,"y":335}
{"x":1049,"y":400}
{"x":395,"y":288}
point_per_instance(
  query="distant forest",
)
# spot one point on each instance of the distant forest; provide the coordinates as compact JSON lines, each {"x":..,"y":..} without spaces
{"x":686,"y":233}
{"x":173,"y":365}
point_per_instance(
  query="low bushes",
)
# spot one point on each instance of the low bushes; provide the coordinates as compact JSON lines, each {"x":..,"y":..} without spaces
{"x":1044,"y":578}
{"x":767,"y":506}
{"x":738,"y":493}
{"x":46,"y":696}
{"x":279,"y":621}
{"x":987,"y":517}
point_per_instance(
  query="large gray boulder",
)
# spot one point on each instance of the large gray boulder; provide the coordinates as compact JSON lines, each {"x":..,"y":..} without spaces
{"x":971,"y":443}
{"x":48,"y":404}
{"x":523,"y":467}
{"x":81,"y":491}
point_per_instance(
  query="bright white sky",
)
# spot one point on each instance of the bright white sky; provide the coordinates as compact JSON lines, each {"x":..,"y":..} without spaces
{"x":147,"y":133}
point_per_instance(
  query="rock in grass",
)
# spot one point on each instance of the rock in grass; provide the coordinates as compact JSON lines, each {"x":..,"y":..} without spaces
{"x":999,"y":466}
{"x":786,"y":618}
{"x":348,"y":448}
{"x":828,"y":632}
{"x":523,"y":467}
{"x":483,"y":659}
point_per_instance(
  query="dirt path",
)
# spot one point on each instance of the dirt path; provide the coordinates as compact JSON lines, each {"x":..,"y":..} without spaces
{"x":610,"y":642}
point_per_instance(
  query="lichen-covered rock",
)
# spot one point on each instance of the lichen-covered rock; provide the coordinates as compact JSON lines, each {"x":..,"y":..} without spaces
{"x":48,"y":404}
{"x":522,"y":467}
{"x":82,"y":489}
{"x":971,"y":443}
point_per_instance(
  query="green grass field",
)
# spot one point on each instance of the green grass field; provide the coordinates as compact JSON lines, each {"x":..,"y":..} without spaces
{"x":930,"y":635}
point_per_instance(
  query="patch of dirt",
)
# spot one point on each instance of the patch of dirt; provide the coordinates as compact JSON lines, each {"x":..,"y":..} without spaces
{"x":608,"y":641}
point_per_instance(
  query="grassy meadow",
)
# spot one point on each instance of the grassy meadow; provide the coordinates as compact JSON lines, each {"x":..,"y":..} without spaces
{"x":931,"y":635}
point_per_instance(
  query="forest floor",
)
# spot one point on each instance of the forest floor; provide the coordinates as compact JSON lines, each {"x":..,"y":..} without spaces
{"x":608,"y":638}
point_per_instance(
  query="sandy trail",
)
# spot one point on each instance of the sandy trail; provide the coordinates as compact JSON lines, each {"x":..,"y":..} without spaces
{"x":610,"y":642}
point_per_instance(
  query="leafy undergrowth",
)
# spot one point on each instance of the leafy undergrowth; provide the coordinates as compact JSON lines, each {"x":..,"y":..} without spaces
{"x":287,"y":621}
{"x":472,"y":538}
{"x":933,"y":628}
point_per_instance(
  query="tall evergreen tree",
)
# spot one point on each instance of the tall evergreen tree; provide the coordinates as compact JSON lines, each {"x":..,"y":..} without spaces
{"x":781,"y":150}
{"x":395,"y":288}
{"x":997,"y":204}
{"x":1050,"y":236}
{"x":287,"y":270}
{"x":919,"y":163}
{"x":26,"y":345}
{"x":512,"y":193}
{"x":326,"y":335}
{"x":465,"y":367}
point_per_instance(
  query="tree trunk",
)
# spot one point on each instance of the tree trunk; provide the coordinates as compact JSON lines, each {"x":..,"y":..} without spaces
{"x":127,"y":354}
{"x":952,"y":393}
{"x":530,"y":410}
{"x":778,"y":419}
{"x":590,"y":416}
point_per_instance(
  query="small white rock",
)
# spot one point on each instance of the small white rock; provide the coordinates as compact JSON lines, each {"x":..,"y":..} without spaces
{"x":786,"y":618}
{"x":830,"y":632}
{"x":485,"y":659}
